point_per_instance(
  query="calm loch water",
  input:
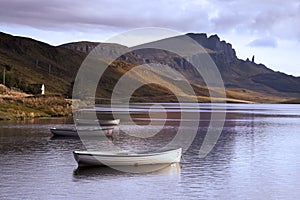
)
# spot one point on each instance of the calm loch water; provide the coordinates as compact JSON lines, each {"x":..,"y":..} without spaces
{"x":257,"y":156}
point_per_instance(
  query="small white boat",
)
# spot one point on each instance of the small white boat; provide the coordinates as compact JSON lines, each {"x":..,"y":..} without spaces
{"x":86,"y":158}
{"x":73,"y":132}
{"x":112,"y":122}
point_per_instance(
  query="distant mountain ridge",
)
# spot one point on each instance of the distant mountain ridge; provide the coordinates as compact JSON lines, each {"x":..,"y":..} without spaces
{"x":31,"y":61}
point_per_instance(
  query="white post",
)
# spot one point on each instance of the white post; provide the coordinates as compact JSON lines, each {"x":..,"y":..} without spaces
{"x":43,"y":89}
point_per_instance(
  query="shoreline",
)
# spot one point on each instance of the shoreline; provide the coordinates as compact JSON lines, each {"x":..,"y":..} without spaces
{"x":16,"y":105}
{"x":34,"y":107}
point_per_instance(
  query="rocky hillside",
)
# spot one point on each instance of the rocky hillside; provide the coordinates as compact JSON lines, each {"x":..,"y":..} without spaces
{"x":236,"y":73}
{"x":28,"y":61}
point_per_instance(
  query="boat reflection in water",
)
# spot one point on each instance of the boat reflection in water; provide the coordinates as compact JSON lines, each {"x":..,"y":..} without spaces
{"x":104,"y":171}
{"x":90,"y":122}
{"x":75,"y":132}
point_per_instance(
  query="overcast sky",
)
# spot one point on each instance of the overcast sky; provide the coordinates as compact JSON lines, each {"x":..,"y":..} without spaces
{"x":268,"y":29}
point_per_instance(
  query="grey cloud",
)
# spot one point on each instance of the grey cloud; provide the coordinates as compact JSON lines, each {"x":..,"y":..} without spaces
{"x":259,"y":16}
{"x":243,"y":16}
{"x":117,"y":14}
{"x":264,"y":42}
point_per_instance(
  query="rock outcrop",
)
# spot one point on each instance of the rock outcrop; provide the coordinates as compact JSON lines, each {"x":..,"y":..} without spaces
{"x":85,"y":47}
{"x":103,"y":49}
{"x":214,"y":43}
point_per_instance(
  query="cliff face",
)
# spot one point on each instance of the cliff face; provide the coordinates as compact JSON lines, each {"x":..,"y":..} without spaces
{"x":85,"y":47}
{"x":214,"y":43}
{"x":236,"y":73}
{"x":104,"y":49}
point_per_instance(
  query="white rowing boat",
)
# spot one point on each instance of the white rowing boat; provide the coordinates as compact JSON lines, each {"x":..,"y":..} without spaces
{"x":84,"y":158}
{"x":112,"y":122}
{"x":73,"y":132}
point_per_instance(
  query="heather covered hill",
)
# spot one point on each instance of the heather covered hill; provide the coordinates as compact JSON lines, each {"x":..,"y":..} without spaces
{"x":32,"y":62}
{"x":27,"y":61}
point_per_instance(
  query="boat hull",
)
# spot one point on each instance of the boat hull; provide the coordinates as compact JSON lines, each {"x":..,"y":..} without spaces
{"x":85,"y":158}
{"x":71,"y":132}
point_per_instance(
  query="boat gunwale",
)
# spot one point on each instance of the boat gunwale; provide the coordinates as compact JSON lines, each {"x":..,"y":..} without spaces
{"x":75,"y":130}
{"x":124,"y":154}
{"x":98,"y":121}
